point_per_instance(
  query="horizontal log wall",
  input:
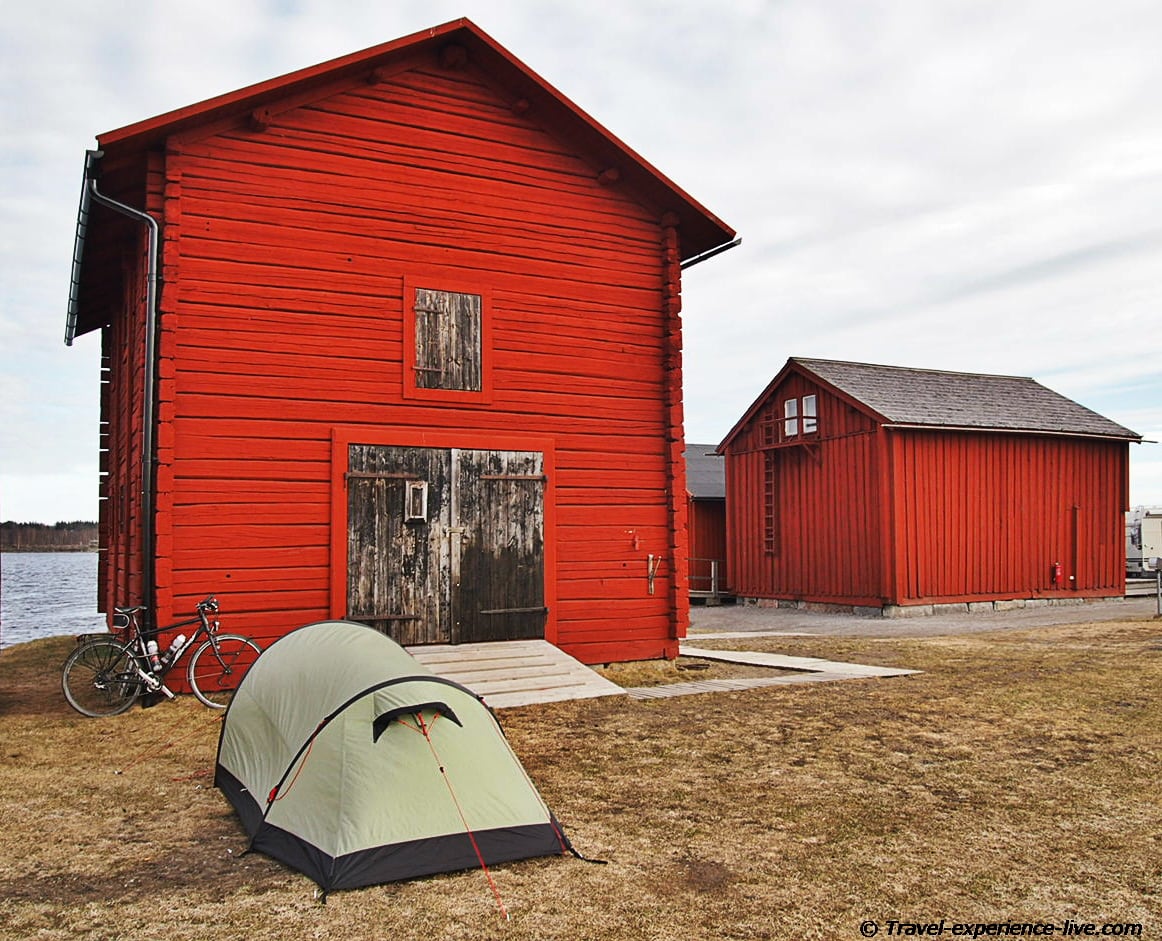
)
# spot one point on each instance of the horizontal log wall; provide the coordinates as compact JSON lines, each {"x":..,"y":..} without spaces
{"x":294,"y":245}
{"x":120,"y":581}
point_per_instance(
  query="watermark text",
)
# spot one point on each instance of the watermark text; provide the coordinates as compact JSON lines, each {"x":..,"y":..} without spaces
{"x":1067,"y":928}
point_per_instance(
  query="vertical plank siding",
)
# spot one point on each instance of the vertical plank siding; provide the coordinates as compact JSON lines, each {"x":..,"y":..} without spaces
{"x":866,"y":515}
{"x":987,"y":515}
{"x":708,"y":544}
{"x":284,"y":311}
{"x":826,"y":511}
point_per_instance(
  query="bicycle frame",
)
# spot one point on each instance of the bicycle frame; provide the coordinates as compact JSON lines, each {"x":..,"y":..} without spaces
{"x":105,"y":673}
{"x":125,"y":621}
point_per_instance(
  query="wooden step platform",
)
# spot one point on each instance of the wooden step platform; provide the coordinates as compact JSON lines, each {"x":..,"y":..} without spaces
{"x":515,"y":672}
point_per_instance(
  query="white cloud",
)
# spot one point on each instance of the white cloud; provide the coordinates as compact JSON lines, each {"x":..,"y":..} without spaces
{"x":966,"y":185}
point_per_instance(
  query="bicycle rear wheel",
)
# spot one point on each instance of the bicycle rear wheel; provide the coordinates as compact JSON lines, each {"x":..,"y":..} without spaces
{"x":100,"y":678}
{"x":217,"y":667}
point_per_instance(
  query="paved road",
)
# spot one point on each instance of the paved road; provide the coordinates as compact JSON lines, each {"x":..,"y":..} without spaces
{"x":748,"y":618}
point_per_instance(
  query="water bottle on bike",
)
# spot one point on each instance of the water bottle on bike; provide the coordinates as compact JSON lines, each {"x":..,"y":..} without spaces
{"x":106,"y":673}
{"x":174,"y":649}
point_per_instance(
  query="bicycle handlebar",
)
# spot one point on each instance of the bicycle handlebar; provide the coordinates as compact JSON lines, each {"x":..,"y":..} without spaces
{"x":126,"y":618}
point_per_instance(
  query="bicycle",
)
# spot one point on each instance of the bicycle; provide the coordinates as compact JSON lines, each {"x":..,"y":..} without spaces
{"x":106,"y":674}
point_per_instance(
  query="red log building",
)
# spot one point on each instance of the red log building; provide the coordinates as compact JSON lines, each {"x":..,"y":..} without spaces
{"x":394,"y":338}
{"x":875,"y":486}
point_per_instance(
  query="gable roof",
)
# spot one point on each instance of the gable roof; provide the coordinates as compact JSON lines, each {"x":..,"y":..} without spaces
{"x":121,"y":161}
{"x":701,"y":230}
{"x":930,"y":398}
{"x":705,"y":472}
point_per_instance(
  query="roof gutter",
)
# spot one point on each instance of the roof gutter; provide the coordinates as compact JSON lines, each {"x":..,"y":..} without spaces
{"x":710,"y":253}
{"x":89,"y":194}
{"x":79,"y":249}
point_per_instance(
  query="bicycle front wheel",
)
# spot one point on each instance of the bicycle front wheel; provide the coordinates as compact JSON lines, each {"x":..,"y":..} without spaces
{"x":217,"y":667}
{"x":100,"y":678}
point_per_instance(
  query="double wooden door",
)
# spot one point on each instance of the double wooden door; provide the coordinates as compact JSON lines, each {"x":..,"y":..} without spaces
{"x":446,"y":545}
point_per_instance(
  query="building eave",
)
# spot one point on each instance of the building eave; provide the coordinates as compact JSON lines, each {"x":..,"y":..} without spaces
{"x":702,"y":233}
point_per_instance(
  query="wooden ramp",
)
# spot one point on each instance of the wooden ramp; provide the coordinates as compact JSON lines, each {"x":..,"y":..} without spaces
{"x":807,"y":664}
{"x":515,"y":672}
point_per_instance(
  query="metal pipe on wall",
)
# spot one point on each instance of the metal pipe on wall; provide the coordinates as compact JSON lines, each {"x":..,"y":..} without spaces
{"x":90,"y":191}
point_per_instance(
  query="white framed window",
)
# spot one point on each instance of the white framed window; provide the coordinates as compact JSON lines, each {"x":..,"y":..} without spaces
{"x":810,"y":416}
{"x":800,"y":416}
{"x":790,"y":418}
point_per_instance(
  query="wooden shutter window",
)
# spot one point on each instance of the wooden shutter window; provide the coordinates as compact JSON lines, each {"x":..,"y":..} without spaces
{"x":448,"y":330}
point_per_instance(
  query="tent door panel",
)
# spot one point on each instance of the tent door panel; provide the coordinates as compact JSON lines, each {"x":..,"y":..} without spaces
{"x":498,"y":511}
{"x":398,"y":511}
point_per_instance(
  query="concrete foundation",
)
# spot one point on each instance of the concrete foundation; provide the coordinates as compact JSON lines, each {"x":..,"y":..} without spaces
{"x":921,"y":610}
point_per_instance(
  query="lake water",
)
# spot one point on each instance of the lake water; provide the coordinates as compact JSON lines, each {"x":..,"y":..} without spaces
{"x":47,"y":593}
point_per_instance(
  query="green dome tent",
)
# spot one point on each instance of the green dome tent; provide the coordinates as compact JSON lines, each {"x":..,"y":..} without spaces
{"x":348,"y":760}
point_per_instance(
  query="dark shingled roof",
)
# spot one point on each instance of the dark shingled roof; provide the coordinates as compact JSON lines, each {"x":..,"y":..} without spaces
{"x":705,"y":472}
{"x":962,"y":400}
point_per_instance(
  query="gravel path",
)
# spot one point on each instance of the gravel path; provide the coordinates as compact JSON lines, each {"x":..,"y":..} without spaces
{"x":705,"y":620}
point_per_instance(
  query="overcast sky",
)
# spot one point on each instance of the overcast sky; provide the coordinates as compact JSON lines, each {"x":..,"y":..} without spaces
{"x":933,"y":183}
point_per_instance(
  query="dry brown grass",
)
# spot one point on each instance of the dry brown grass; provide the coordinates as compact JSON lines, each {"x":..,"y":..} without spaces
{"x":681,"y":670}
{"x":1016,"y":778}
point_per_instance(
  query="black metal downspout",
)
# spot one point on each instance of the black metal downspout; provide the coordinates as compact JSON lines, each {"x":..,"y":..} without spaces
{"x":90,"y":192}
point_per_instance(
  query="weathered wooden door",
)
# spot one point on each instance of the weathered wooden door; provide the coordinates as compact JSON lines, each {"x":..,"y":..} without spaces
{"x":397,"y":549}
{"x":499,"y":588}
{"x":446,"y":545}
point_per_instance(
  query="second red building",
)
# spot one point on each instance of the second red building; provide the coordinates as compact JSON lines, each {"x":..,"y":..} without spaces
{"x":876,"y":486}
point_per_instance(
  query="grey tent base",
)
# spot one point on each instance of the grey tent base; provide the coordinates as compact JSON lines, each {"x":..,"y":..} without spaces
{"x":393,"y":863}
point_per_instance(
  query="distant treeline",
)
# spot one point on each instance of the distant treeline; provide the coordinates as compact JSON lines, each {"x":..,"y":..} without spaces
{"x":42,"y":537}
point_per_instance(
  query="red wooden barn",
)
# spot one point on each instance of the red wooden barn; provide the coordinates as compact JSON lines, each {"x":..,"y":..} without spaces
{"x":395,"y":338}
{"x":876,"y":486}
{"x":706,"y":482}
